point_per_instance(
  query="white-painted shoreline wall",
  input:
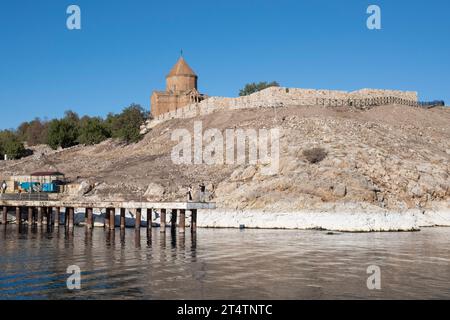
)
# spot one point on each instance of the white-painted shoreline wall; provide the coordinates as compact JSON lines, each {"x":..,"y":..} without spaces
{"x":344,"y":220}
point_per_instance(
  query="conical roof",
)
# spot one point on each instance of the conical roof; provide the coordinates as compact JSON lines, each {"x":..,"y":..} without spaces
{"x":181,"y":68}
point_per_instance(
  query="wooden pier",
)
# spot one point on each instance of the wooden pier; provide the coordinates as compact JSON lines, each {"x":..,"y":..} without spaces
{"x":49,"y":213}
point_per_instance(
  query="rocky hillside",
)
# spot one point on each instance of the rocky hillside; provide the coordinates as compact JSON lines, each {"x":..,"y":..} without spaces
{"x":393,"y":157}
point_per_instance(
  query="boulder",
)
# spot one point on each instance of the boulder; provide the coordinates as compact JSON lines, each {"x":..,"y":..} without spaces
{"x":84,"y":188}
{"x":340,"y":190}
{"x":154,"y":191}
{"x":248,"y":173}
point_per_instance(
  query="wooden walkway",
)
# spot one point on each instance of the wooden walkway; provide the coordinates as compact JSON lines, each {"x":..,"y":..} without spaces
{"x":48,"y":212}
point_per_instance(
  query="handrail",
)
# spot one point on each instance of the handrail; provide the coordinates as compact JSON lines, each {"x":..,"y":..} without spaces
{"x":24,"y":196}
{"x":376,"y":101}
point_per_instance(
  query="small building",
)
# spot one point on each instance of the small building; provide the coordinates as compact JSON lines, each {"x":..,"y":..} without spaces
{"x":48,"y":181}
{"x":181,"y":90}
{"x":48,"y":177}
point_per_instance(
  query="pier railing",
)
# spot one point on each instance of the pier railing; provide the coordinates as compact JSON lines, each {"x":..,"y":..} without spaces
{"x":376,"y":102}
{"x":24,"y":197}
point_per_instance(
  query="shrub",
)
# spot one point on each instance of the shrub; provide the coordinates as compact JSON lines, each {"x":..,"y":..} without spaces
{"x":315,"y":155}
{"x":255,"y":87}
{"x":126,"y":126}
{"x":11,"y":145}
{"x":93,"y":131}
{"x":62,"y":133}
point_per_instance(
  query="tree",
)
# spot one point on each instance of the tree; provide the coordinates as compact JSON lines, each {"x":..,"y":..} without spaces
{"x":22,"y":130}
{"x":34,"y":132}
{"x":11,"y":145}
{"x":255,"y":87}
{"x":126,"y":126}
{"x":62,"y":133}
{"x":93,"y":131}
{"x":72,"y":117}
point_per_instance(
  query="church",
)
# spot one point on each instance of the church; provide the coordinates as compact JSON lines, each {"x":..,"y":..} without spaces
{"x":181,"y":90}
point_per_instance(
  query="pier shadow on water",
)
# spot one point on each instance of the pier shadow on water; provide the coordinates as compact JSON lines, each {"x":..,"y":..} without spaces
{"x":221,"y":264}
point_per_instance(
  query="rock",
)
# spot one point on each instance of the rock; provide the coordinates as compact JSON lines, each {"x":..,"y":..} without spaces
{"x":416,"y":191}
{"x":340,"y":190}
{"x":225,"y":188}
{"x":248,"y":173}
{"x":424,"y":168}
{"x":84,"y":188}
{"x":236,"y":175}
{"x":154,"y":191}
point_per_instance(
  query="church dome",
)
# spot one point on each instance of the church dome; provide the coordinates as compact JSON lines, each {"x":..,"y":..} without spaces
{"x":181,"y":78}
{"x":181,"y":68}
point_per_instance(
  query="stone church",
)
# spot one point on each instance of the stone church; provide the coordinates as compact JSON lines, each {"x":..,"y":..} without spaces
{"x":181,"y":90}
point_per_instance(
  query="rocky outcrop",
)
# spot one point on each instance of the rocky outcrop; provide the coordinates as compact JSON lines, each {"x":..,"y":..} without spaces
{"x":154,"y":192}
{"x":393,"y":158}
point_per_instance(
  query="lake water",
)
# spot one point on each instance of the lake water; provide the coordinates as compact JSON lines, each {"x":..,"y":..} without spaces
{"x":223,"y":264}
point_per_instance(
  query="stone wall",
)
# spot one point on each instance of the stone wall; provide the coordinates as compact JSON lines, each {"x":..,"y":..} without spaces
{"x":163,"y":102}
{"x":279,"y":97}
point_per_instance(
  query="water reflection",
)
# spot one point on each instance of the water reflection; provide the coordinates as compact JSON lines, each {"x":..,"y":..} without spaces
{"x":221,"y":264}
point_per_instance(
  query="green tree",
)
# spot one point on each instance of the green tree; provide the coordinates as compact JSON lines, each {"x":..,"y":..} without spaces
{"x":255,"y":87}
{"x":62,"y":133}
{"x":93,"y":131}
{"x":11,"y":145}
{"x":72,"y":117}
{"x":126,"y":125}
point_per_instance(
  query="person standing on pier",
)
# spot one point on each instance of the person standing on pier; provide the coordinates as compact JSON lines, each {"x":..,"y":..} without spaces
{"x":189,"y":193}
{"x":202,"y":192}
{"x":4,"y":186}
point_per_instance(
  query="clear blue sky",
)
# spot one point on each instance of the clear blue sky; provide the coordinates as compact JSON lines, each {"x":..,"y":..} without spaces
{"x":126,"y":48}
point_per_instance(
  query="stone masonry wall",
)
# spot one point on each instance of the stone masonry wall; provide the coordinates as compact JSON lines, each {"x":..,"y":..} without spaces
{"x":279,"y":97}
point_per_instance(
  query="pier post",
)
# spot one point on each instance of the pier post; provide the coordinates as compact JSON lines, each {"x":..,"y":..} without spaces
{"x":90,"y":218}
{"x":50,"y":216}
{"x":30,"y":216}
{"x":173,"y":219}
{"x":5,"y":215}
{"x":18,"y":215}
{"x":71,"y":217}
{"x":39,"y":216}
{"x":122,"y":218}
{"x":107,"y":214}
{"x":138,"y":219}
{"x":57,"y":214}
{"x":137,"y":238}
{"x":149,"y":225}
{"x":182,"y":223}
{"x":66,"y":217}
{"x":163,"y":220}
{"x":194,"y":220}
{"x":44,"y":215}
{"x":112,"y":218}
{"x":149,"y":219}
